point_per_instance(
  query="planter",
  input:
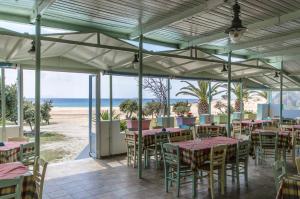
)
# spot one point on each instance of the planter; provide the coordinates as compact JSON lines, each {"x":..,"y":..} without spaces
{"x":205,"y":119}
{"x":250,"y":116}
{"x":112,"y":142}
{"x":163,"y":121}
{"x":10,"y":131}
{"x":185,"y":121}
{"x":133,"y":125}
{"x":220,"y":119}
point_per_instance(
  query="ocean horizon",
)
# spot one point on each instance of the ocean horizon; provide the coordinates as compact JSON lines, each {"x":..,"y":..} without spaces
{"x":84,"y":102}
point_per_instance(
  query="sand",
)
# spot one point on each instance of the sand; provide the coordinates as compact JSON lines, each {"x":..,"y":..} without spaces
{"x":73,"y":123}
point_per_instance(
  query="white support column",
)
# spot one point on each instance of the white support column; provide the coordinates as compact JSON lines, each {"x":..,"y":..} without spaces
{"x":242,"y":101}
{"x":20,"y":100}
{"x":3,"y":103}
{"x":169,"y":101}
{"x":281,"y":86}
{"x":140,"y":104}
{"x":98,"y":118}
{"x":37,"y":83}
{"x":229,"y":96}
{"x":110,"y":112}
{"x":209,"y":99}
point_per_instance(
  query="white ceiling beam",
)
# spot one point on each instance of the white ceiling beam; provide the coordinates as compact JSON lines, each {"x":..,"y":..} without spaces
{"x":40,"y":8}
{"x":274,"y":53}
{"x":250,"y":74}
{"x":264,"y":41}
{"x":16,"y":48}
{"x":258,"y":25}
{"x":173,"y":17}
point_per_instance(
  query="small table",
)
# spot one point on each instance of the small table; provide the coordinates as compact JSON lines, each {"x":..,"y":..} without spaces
{"x":9,"y":152}
{"x":196,"y":152}
{"x":149,"y":135}
{"x":204,"y":129}
{"x":289,"y":188}
{"x":13,"y":170}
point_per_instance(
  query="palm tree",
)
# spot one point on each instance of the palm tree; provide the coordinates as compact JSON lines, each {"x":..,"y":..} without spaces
{"x":201,"y":91}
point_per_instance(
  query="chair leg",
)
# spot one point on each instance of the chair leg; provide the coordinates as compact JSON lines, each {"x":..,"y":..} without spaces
{"x":167,"y":179}
{"x":194,"y":184}
{"x":211,"y":184}
{"x":178,"y":182}
{"x":237,"y":169}
{"x":233,"y":172}
{"x":223,"y":180}
{"x":246,"y":173}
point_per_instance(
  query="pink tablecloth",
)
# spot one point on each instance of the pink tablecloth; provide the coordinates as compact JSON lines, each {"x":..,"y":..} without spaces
{"x":12,"y":170}
{"x":11,"y":145}
{"x":155,"y":131}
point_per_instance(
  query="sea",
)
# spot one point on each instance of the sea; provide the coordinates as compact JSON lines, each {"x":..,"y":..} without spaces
{"x":84,"y":102}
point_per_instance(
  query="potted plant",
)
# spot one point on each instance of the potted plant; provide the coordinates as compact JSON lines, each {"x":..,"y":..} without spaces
{"x":184,"y":116}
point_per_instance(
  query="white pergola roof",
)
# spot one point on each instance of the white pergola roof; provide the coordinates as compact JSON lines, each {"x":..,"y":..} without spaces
{"x":102,"y":26}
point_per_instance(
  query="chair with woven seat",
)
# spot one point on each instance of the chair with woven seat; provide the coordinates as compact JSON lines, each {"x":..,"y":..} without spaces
{"x":17,"y":183}
{"x":132,"y":148}
{"x":27,"y":153}
{"x":18,"y":139}
{"x":39,"y":172}
{"x":174,"y":169}
{"x":267,"y":146}
{"x":236,"y":129}
{"x":155,"y":150}
{"x":213,"y":131}
{"x":240,"y":164}
{"x":216,"y":161}
{"x":279,"y":171}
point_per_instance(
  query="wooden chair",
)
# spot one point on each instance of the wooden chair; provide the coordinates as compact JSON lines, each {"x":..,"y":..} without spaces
{"x":297,"y":161}
{"x":216,"y":162}
{"x":236,"y":129}
{"x":27,"y":153}
{"x":213,"y":131}
{"x":18,"y":139}
{"x":295,"y":143}
{"x":39,"y":172}
{"x":267,"y":146}
{"x":132,"y":148}
{"x":285,"y":127}
{"x":175,"y":170}
{"x":179,"y":138}
{"x":279,"y":171}
{"x":156,"y":149}
{"x":240,"y":165}
{"x":17,"y":183}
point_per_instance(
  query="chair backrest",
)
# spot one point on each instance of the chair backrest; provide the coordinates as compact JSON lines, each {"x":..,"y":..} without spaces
{"x":279,"y":172}
{"x":271,"y":128}
{"x":297,"y":160}
{"x":17,"y":183}
{"x":243,"y":149}
{"x":296,"y":137}
{"x":286,"y":127}
{"x":27,"y":153}
{"x":213,"y":131}
{"x":268,"y":140}
{"x":179,"y":138}
{"x":39,"y":172}
{"x":18,"y":139}
{"x":130,"y":138}
{"x":236,"y":127}
{"x":161,"y":137}
{"x":217,"y":156}
{"x":171,"y":155}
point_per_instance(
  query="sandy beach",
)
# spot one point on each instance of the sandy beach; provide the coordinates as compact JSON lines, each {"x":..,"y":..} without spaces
{"x":72,"y":123}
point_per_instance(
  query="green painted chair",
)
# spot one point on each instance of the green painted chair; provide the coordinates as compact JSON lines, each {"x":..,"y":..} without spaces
{"x":17,"y":183}
{"x":155,"y":150}
{"x":39,"y":173}
{"x":267,"y":147}
{"x":279,"y":171}
{"x":214,"y":131}
{"x":27,"y":153}
{"x":240,"y":164}
{"x":132,"y":148}
{"x":175,"y":170}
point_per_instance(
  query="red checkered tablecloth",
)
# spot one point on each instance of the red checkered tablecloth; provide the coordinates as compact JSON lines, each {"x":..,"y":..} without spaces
{"x":289,"y":188}
{"x":196,"y":152}
{"x":204,"y":129}
{"x":149,"y":135}
{"x":9,"y":152}
{"x":15,"y":169}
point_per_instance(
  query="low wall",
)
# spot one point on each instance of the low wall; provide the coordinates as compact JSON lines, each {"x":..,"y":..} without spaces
{"x":11,"y":131}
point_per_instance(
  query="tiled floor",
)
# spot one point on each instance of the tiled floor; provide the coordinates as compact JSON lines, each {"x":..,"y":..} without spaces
{"x":111,"y":178}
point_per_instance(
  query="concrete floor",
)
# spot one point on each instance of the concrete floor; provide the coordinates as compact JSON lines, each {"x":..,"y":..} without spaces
{"x":111,"y":178}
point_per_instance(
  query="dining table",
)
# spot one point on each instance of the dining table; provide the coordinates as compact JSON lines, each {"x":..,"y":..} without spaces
{"x":196,"y":152}
{"x":252,"y":125}
{"x":203,"y":129}
{"x":16,"y":169}
{"x":149,"y":135}
{"x":9,"y":151}
{"x":289,"y":188}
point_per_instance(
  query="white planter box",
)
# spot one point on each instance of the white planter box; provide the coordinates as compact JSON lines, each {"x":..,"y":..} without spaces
{"x":111,"y":143}
{"x":11,"y":131}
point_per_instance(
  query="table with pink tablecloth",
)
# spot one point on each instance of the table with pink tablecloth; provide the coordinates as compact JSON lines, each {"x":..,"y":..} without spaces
{"x":9,"y":152}
{"x":149,"y":135}
{"x":196,"y":152}
{"x":17,"y":169}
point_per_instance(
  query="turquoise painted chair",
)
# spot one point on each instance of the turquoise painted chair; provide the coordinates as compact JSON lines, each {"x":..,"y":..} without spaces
{"x":279,"y":171}
{"x":267,"y":147}
{"x":155,"y":150}
{"x":175,"y":170}
{"x":27,"y":153}
{"x":17,"y":183}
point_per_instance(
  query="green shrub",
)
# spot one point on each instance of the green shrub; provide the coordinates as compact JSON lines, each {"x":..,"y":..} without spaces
{"x":181,"y":108}
{"x":129,"y":107}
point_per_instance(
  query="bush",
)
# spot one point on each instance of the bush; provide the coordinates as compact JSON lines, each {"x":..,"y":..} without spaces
{"x":129,"y":107}
{"x":152,"y":108}
{"x":181,"y":108}
{"x":105,"y":115}
{"x":45,"y":111}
